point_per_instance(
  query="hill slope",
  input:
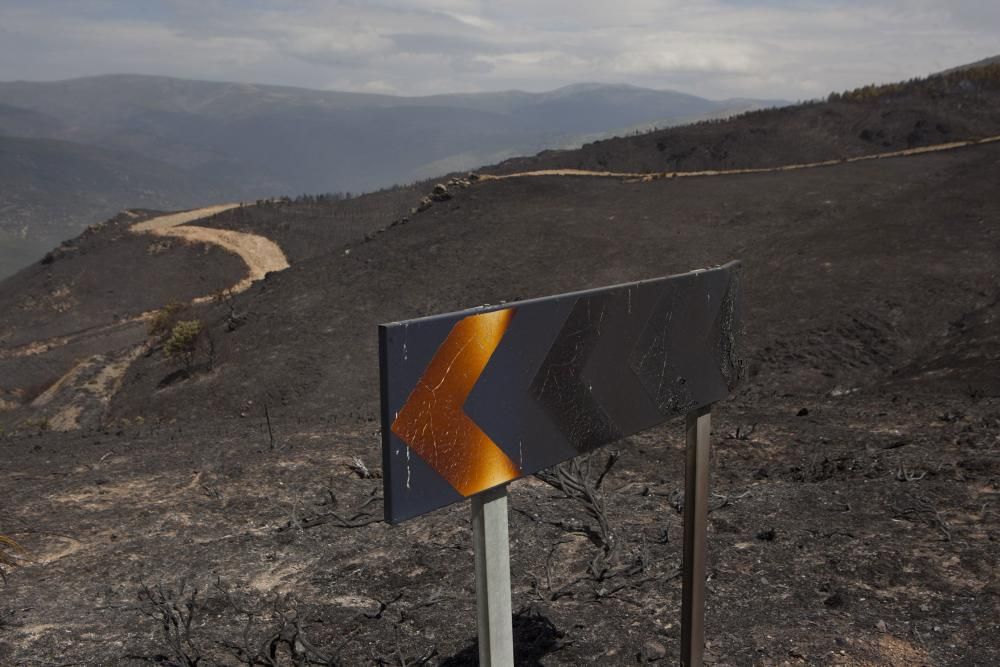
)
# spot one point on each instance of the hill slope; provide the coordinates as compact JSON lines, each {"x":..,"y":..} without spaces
{"x":959,"y":105}
{"x":333,"y":242}
{"x":799,"y":234}
{"x":18,"y":122}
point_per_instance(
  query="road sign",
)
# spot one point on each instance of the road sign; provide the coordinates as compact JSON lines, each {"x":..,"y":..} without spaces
{"x":475,"y":399}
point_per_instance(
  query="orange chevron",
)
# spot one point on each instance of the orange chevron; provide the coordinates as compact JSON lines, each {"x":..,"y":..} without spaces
{"x":434,"y":425}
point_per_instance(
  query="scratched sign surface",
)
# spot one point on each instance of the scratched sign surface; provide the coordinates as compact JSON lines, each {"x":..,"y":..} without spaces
{"x":477,"y":398}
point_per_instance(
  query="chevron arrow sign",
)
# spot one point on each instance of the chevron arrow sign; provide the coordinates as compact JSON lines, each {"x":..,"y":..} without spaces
{"x":474,"y":399}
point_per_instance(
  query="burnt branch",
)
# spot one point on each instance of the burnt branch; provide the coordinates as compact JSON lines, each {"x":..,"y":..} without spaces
{"x":274,"y":634}
{"x":174,"y":612}
{"x":575,"y":481}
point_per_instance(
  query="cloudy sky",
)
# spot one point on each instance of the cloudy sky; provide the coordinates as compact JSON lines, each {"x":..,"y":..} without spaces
{"x":791,"y":49}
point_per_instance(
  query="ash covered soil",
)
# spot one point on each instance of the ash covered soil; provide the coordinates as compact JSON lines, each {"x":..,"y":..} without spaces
{"x":856,"y":472}
{"x":862,"y":533}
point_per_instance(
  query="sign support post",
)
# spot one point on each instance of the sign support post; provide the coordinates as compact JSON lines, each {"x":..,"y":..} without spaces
{"x":696,"y":482}
{"x":491,"y":549}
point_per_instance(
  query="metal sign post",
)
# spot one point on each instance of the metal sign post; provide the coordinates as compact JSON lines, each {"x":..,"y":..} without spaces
{"x":476,"y":399}
{"x":491,"y":547}
{"x":696,"y":481}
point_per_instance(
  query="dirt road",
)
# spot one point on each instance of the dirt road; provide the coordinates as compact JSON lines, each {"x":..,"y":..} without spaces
{"x":260,"y":254}
{"x":652,"y":176}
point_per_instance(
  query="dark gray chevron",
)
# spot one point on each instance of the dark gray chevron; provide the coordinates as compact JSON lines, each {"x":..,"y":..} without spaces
{"x":583,"y":385}
{"x":613,"y":384}
{"x":680,"y":356}
{"x":730,"y":335}
{"x":559,"y":386}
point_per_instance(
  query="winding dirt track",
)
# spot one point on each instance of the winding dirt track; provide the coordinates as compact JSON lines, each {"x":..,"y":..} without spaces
{"x":260,"y":254}
{"x":174,"y":219}
{"x":652,"y":176}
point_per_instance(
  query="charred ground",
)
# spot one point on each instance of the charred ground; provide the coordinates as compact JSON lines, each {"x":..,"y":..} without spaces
{"x":857,"y":470}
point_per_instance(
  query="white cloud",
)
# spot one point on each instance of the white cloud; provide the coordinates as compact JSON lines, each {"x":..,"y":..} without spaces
{"x":714,"y":48}
{"x":379,"y":87}
{"x":680,"y":52}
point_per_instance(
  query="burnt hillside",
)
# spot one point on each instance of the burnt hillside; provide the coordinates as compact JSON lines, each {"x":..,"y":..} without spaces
{"x":501,"y":240}
{"x":839,"y":287}
{"x":963,"y":104}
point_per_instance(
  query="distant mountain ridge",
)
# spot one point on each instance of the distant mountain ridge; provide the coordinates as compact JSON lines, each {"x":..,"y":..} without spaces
{"x":210,"y":141}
